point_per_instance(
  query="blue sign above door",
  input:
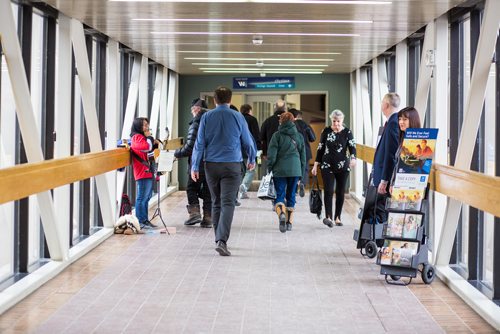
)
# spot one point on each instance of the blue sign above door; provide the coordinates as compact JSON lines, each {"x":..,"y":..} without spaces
{"x":263,"y":82}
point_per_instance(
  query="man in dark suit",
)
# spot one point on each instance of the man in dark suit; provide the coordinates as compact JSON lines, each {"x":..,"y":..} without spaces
{"x":384,"y":159}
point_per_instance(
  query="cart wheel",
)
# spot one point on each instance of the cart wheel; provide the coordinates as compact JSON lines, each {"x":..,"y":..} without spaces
{"x":428,"y":274}
{"x":371,"y":249}
{"x":395,"y":277}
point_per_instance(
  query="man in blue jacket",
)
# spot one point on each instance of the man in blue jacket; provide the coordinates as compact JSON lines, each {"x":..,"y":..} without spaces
{"x":222,"y":135}
{"x":385,"y":153}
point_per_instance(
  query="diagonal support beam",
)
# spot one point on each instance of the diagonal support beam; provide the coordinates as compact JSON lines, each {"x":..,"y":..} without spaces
{"x":424,"y":73}
{"x":133,"y":93}
{"x":472,"y":117}
{"x":90,"y":112}
{"x":27,"y":123}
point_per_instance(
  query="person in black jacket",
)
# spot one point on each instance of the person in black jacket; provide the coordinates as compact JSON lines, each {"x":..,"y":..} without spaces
{"x":309,"y":137}
{"x":270,"y":126}
{"x":198,"y":189}
{"x":253,"y":126}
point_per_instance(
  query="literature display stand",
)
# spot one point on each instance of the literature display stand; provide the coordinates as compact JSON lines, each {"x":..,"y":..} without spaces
{"x":405,"y":249}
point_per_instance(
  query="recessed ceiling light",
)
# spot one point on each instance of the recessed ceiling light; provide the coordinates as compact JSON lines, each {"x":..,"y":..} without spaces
{"x":274,"y":65}
{"x":266,"y":52}
{"x":255,"y":59}
{"x":251,"y":33}
{"x":258,"y":20}
{"x":317,"y":2}
{"x":260,"y":70}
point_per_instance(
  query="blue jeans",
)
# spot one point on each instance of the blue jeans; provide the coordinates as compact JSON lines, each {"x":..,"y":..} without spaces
{"x":248,"y":178}
{"x":144,"y":192}
{"x":286,"y":187}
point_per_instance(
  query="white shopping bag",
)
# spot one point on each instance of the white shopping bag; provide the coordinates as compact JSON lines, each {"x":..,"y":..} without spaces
{"x":266,"y":187}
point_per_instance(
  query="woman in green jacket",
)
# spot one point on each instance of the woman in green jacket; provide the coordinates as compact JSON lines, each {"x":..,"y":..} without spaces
{"x":286,"y":158}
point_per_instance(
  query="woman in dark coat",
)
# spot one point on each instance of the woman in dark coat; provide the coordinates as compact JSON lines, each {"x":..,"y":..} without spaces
{"x":335,"y":163}
{"x":286,"y":158}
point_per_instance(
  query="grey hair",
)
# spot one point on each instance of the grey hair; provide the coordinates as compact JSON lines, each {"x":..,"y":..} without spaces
{"x":393,"y":99}
{"x":336,"y":113}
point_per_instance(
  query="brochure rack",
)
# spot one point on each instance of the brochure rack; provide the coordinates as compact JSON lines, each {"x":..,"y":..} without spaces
{"x":405,"y":249}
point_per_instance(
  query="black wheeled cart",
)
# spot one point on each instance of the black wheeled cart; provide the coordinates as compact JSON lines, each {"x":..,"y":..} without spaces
{"x":405,"y":250}
{"x":369,"y":236}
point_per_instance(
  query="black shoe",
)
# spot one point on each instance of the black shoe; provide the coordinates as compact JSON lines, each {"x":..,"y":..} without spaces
{"x":283,"y":223}
{"x":302,"y":190}
{"x":149,"y":224}
{"x":237,"y":203}
{"x":222,"y":249}
{"x":328,"y":222}
{"x":288,"y":226}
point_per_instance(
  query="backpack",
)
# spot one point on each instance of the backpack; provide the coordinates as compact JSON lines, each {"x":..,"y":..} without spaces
{"x":126,"y":206}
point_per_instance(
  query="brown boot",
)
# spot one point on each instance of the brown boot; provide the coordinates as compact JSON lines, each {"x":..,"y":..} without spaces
{"x":194,"y":215}
{"x":289,"y":220}
{"x":280,"y":211}
{"x":207,"y":219}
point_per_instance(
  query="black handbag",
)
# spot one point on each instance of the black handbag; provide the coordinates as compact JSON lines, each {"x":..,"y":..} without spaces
{"x":315,"y":199}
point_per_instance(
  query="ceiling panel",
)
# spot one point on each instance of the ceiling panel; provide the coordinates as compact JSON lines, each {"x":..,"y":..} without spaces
{"x":162,"y":41}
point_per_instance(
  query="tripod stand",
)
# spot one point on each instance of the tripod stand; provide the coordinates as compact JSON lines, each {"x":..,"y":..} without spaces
{"x":157,"y":212}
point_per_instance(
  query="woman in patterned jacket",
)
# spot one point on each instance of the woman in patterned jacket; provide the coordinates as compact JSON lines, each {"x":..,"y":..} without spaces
{"x":335,"y":164}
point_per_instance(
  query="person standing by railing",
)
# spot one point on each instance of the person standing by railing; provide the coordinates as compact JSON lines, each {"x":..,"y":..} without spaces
{"x":143,"y":175}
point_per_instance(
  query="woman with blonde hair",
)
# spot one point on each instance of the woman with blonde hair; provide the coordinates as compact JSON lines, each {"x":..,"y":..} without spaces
{"x":286,"y":158}
{"x":335,"y":163}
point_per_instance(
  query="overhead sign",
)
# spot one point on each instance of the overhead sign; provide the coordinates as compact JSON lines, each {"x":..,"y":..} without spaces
{"x":263,"y":82}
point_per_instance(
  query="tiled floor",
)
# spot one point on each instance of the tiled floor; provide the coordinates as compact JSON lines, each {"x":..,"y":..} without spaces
{"x":310,"y":280}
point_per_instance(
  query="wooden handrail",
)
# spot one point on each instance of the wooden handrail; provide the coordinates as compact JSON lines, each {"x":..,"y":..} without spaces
{"x":469,"y":187}
{"x":23,"y":180}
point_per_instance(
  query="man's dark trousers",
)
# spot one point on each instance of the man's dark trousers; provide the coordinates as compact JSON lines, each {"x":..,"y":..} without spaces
{"x":223,"y":180}
{"x":199,"y":189}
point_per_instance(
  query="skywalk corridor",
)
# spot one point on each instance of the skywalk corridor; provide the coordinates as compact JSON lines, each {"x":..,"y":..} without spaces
{"x":310,"y":280}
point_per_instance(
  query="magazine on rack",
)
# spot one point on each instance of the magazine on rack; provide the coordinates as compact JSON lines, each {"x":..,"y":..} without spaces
{"x":405,"y":199}
{"x":398,"y":253}
{"x":395,"y":224}
{"x":417,"y":151}
{"x":411,"y":225}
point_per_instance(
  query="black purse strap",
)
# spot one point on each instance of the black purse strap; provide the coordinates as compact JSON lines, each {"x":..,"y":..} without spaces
{"x":316,"y":182}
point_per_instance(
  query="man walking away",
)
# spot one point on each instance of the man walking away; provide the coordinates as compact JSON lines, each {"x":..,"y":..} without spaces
{"x":222,"y":135}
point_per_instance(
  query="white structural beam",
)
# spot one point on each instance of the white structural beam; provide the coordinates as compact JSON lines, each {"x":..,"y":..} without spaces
{"x":357,"y":127}
{"x":62,"y":120}
{"x":472,"y":117}
{"x":27,"y":122}
{"x":112,"y":110}
{"x":133,"y":92}
{"x":90,"y":112}
{"x":439,"y":118}
{"x":155,"y":105}
{"x":365,"y":107}
{"x":402,"y":72}
{"x":143,"y":88}
{"x":425,"y":73}
{"x":383,"y":89}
